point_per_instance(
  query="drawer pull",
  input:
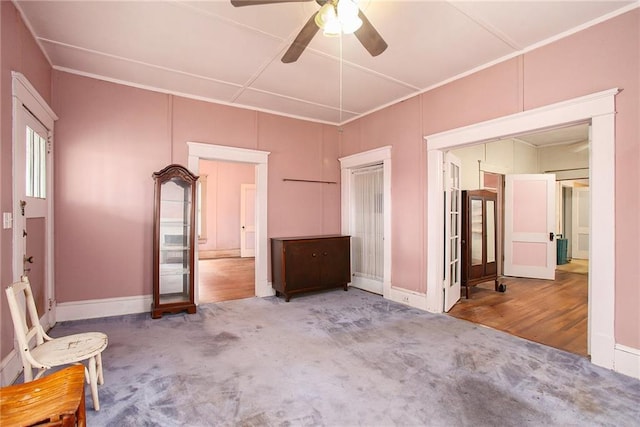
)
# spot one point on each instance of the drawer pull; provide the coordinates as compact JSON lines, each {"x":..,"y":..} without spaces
{"x":313,"y":254}
{"x":324,"y":253}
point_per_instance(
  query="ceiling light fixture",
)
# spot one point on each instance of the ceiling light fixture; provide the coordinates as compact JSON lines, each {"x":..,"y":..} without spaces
{"x":337,"y":17}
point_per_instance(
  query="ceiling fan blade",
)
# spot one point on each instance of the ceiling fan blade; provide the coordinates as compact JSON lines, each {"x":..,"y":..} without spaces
{"x":301,"y":42}
{"x":240,"y":3}
{"x":369,"y":37}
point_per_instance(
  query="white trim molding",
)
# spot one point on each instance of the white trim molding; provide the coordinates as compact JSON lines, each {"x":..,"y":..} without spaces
{"x":10,"y":368}
{"x":95,"y":308}
{"x":627,"y":361}
{"x":199,"y":150}
{"x":599,"y":110}
{"x":359,"y":160}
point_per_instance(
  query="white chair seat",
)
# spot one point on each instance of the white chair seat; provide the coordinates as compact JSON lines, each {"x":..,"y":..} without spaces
{"x":70,"y":349}
{"x":38,"y":350}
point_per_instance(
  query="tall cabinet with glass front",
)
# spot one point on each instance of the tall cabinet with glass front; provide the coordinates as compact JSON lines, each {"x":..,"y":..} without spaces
{"x":173,"y":242}
{"x":479,"y":231}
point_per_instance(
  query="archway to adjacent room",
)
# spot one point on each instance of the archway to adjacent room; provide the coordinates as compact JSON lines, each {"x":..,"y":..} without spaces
{"x":599,"y":110}
{"x":548,"y":310}
{"x":200,"y":151}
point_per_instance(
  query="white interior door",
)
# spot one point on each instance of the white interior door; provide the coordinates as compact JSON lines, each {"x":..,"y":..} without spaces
{"x":367,"y":228}
{"x":530,"y":247}
{"x":580,"y":223}
{"x":452,"y":221}
{"x":247,"y":220}
{"x":33,"y":245}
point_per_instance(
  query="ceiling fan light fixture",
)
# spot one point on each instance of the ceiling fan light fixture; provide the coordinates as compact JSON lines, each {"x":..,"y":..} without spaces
{"x":336,"y":17}
{"x":332,"y":28}
{"x":350,"y":26}
{"x":348,"y":16}
{"x":325,"y":15}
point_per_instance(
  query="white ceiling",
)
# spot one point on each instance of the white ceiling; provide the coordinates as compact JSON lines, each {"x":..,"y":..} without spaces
{"x":213,"y":51}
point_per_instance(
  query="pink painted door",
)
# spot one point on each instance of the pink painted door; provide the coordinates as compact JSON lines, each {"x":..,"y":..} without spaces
{"x":530,"y":247}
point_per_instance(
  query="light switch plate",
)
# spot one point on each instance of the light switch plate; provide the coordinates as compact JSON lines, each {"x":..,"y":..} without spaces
{"x":7,"y":220}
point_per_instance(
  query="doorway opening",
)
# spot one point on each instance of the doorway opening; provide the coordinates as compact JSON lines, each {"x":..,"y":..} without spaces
{"x":258,"y":159}
{"x":226,"y":231}
{"x":357,"y":172}
{"x":550,"y":310}
{"x":599,"y":109}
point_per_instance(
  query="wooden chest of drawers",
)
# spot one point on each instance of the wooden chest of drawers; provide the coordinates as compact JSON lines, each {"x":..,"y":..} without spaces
{"x":303,"y":264}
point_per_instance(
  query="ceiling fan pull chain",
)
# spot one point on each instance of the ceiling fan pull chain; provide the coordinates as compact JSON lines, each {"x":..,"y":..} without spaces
{"x":340,"y":115}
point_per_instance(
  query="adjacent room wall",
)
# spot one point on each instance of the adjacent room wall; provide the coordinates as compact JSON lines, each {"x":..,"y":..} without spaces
{"x":504,"y":157}
{"x":599,"y":58}
{"x":223,"y":203}
{"x":18,"y":52}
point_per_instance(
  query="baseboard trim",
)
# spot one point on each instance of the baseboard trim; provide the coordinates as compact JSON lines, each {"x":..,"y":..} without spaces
{"x":218,"y":253}
{"x":627,"y":360}
{"x":410,"y":298}
{"x":10,"y":368}
{"x":91,"y":309}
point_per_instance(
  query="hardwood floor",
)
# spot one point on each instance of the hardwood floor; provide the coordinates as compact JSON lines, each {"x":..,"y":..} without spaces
{"x":223,"y":279}
{"x":553,"y":313}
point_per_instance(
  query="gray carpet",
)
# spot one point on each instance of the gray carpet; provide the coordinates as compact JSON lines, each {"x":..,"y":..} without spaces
{"x":341,"y":359}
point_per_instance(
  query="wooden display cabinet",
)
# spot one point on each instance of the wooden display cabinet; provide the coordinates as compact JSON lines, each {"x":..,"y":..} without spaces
{"x":479,"y":231}
{"x":173,"y":241}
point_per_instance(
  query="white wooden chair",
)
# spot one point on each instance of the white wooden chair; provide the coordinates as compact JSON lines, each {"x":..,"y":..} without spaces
{"x":47,"y":352}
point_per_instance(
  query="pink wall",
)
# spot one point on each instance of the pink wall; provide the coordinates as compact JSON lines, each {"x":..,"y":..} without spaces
{"x":18,"y":52}
{"x":599,"y":58}
{"x":110,"y":139}
{"x":223,"y":202}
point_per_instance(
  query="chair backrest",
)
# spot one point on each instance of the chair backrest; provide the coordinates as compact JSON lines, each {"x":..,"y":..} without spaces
{"x":26,"y":324}
{"x":58,"y":398}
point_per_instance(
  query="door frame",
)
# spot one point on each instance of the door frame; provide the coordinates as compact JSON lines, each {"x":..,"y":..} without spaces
{"x":597,"y":108}
{"x":202,"y":151}
{"x":359,"y":160}
{"x":25,"y":94}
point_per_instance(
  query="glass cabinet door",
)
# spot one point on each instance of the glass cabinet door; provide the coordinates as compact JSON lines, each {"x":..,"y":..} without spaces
{"x":175,"y":206}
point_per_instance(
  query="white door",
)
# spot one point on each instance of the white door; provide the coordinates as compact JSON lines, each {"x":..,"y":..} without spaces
{"x":367,"y":228}
{"x":33,"y":245}
{"x":452,"y":221}
{"x":580,"y":223}
{"x":529,"y":213}
{"x":247,"y":220}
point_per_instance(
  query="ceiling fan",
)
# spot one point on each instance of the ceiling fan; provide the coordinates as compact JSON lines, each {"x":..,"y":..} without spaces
{"x":332,"y":18}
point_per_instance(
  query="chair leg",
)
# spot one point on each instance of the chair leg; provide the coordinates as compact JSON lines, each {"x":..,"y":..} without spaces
{"x":99,"y":368}
{"x":27,"y":373}
{"x":93,"y":378}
